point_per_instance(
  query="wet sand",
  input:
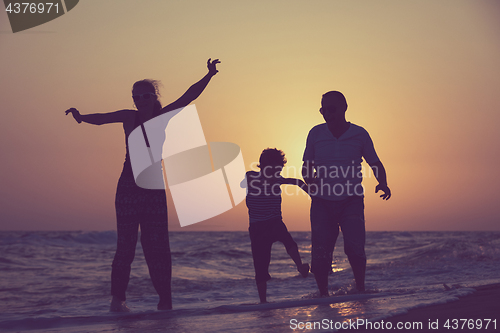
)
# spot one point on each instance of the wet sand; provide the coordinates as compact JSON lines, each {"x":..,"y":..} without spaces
{"x":476,"y":308}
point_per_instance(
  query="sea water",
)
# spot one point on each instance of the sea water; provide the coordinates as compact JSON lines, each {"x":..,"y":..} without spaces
{"x":60,"y":281}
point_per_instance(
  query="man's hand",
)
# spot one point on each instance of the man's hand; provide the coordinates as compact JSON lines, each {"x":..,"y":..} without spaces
{"x":385,"y":189}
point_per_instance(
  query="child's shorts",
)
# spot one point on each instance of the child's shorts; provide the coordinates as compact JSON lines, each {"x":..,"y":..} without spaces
{"x":262,"y":236}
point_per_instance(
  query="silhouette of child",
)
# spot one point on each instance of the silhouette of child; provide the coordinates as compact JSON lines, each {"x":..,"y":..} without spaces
{"x":266,"y":224}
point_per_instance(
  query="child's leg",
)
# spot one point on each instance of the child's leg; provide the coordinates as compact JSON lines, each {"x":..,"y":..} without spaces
{"x":261,"y":254}
{"x":292,"y":249}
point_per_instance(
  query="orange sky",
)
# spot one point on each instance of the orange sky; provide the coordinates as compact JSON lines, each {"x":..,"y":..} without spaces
{"x":422,"y":77}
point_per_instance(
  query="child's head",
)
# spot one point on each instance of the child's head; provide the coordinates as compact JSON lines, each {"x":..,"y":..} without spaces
{"x":272,"y":158}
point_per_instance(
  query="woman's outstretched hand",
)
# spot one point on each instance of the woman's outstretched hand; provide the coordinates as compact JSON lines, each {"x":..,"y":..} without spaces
{"x":211,"y":66}
{"x":75,"y":113}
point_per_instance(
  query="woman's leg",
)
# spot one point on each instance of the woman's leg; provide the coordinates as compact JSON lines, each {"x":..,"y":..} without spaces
{"x":125,"y":252}
{"x":156,"y":246}
{"x":127,"y":229}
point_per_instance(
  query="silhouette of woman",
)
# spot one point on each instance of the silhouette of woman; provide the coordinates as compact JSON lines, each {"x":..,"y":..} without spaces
{"x":137,"y":206}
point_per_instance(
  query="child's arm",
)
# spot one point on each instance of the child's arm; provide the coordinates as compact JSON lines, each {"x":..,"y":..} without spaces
{"x":298,"y":182}
{"x":308,"y":172}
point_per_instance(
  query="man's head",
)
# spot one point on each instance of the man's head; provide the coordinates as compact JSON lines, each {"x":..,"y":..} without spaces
{"x":333,"y":106}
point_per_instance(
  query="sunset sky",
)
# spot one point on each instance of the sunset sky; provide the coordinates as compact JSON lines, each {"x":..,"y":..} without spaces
{"x":422,"y":77}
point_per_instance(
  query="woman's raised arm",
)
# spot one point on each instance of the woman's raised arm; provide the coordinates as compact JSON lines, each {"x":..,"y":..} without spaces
{"x":195,"y":90}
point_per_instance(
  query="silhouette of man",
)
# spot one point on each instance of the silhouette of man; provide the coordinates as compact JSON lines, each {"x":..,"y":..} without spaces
{"x":332,"y":169}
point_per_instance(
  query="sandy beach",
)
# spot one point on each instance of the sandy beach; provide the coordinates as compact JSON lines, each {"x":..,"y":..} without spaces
{"x":470,"y":313}
{"x":466,"y":314}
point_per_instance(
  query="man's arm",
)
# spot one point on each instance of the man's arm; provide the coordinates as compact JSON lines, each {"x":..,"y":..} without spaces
{"x":380,"y":174}
{"x":195,"y":90}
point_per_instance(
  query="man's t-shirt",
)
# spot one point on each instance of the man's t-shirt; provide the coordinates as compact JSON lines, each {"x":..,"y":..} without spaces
{"x":337,"y":162}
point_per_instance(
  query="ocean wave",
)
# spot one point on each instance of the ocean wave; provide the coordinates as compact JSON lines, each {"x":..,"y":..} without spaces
{"x":427,"y":249}
{"x":53,"y":279}
{"x":57,"y":238}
